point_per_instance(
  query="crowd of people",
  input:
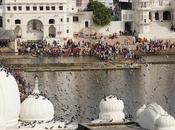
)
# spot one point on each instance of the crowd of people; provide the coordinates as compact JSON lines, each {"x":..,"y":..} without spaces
{"x":154,"y":46}
{"x":4,"y":43}
{"x":101,"y":48}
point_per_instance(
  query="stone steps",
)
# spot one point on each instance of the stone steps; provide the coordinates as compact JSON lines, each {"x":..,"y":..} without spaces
{"x":160,"y":30}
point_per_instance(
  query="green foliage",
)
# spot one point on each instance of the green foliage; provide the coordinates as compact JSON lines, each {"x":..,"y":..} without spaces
{"x":101,"y":14}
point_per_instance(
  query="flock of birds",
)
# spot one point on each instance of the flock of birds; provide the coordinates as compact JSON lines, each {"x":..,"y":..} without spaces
{"x":33,"y":124}
{"x":5,"y":70}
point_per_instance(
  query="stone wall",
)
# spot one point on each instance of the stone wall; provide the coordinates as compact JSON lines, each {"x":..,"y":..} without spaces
{"x":76,"y":95}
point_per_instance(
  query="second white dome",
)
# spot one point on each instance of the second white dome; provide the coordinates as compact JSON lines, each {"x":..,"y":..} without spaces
{"x":36,"y":107}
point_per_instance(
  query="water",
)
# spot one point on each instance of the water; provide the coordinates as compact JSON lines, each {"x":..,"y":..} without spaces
{"x":76,"y":94}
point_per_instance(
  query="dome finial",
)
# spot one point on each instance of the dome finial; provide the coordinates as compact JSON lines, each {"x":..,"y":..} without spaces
{"x":36,"y":90}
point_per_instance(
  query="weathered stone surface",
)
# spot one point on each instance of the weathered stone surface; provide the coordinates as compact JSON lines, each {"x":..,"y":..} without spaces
{"x":76,"y":95}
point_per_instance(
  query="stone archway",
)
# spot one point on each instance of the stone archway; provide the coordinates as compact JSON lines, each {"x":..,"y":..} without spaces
{"x":35,"y":29}
{"x":52,"y":31}
{"x":35,"y":25}
{"x":166,"y":15}
{"x":18,"y":31}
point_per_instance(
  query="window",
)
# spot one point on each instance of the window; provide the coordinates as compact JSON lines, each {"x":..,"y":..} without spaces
{"x":67,"y":30}
{"x":51,"y":21}
{"x":47,"y":7}
{"x":61,"y":19}
{"x":27,"y":8}
{"x":67,"y":19}
{"x":34,"y":8}
{"x":14,"y":8}
{"x":53,"y":7}
{"x":72,"y":8}
{"x":145,"y":20}
{"x":19,"y":8}
{"x":75,"y":18}
{"x":41,"y":8}
{"x":17,"y":21}
{"x":8,"y":8}
{"x":60,"y":7}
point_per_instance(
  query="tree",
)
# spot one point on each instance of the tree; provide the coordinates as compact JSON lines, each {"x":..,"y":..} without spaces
{"x":101,"y":14}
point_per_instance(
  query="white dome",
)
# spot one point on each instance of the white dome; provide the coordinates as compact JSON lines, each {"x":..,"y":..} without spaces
{"x":9,"y":99}
{"x":111,"y":109}
{"x":165,"y":122}
{"x":36,"y":107}
{"x":149,"y":115}
{"x":140,"y":110}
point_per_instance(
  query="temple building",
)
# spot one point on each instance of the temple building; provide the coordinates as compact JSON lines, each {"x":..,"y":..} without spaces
{"x":38,"y":19}
{"x":61,"y":19}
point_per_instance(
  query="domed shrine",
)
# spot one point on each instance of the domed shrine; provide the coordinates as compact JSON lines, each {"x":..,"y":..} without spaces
{"x":154,"y":117}
{"x":37,"y":112}
{"x":9,"y":100}
{"x":111,"y":110}
{"x":36,"y":107}
{"x":165,"y":122}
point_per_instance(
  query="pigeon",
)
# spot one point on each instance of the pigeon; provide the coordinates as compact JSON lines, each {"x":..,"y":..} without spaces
{"x":52,"y":127}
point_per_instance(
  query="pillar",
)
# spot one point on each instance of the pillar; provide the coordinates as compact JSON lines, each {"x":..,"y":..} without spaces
{"x":161,"y":15}
{"x":153,"y":16}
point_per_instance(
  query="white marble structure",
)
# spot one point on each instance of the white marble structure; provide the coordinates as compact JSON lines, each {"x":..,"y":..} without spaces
{"x":111,"y":110}
{"x":154,"y":117}
{"x":37,"y":112}
{"x":36,"y":107}
{"x":9,"y":97}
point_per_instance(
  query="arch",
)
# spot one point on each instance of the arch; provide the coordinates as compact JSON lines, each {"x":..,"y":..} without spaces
{"x":18,"y":31}
{"x":51,"y":21}
{"x":166,"y":15}
{"x":52,"y":31}
{"x":157,"y":16}
{"x":35,"y":25}
{"x":17,"y":21}
{"x":35,"y":29}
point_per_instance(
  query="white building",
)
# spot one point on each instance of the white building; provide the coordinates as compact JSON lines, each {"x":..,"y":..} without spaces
{"x":151,"y":18}
{"x":38,"y":19}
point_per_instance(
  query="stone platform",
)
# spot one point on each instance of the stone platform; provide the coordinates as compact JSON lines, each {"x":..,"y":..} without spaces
{"x":109,"y":126}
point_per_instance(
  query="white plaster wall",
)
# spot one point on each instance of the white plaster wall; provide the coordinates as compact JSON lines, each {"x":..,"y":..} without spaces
{"x":43,"y":16}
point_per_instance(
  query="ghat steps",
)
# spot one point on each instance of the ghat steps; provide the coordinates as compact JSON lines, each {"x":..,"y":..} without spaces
{"x":160,"y":30}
